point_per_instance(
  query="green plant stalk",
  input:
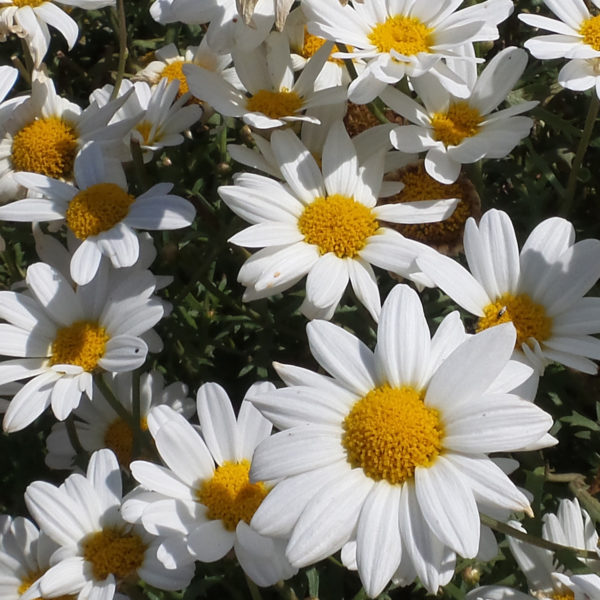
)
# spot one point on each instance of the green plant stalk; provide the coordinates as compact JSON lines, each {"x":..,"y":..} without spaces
{"x":532,"y":539}
{"x":584,"y":142}
{"x":110,"y":397}
{"x":253,"y":588}
{"x":123,"y":50}
{"x":136,"y":413}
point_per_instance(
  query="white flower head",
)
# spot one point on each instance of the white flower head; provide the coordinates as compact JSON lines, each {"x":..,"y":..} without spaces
{"x":403,"y":37}
{"x":98,"y":549}
{"x":323,"y":224}
{"x":454,"y":131}
{"x":540,"y":289}
{"x":60,"y":336}
{"x":30,"y":19}
{"x":99,"y":211}
{"x":575,"y":37}
{"x":205,"y":483}
{"x":392,"y":446}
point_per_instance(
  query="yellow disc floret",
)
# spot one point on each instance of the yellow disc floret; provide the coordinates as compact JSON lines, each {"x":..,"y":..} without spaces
{"x":275,"y":104}
{"x":562,"y":594}
{"x":530,"y":319}
{"x":28,"y":580}
{"x":229,"y":495}
{"x":390,"y":432}
{"x":97,"y":208}
{"x":119,"y":438}
{"x":114,"y":551}
{"x":83,"y":344}
{"x":174,"y":70}
{"x":312,"y":43}
{"x":337,"y":224}
{"x":47,"y":146}
{"x":459,"y":122}
{"x":405,"y":35}
{"x":32,"y":3}
{"x":590,"y":30}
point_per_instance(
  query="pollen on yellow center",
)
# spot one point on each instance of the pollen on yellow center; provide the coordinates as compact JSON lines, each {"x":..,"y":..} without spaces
{"x":390,"y":432}
{"x":97,"y":208}
{"x":590,"y":30}
{"x":275,"y":104}
{"x":83,"y":344}
{"x":459,"y":122}
{"x":312,"y":43}
{"x":174,"y":70}
{"x":28,"y":580}
{"x":337,"y":224}
{"x":530,"y":319}
{"x":405,"y":35}
{"x":562,"y":594}
{"x":47,"y":146}
{"x":32,"y":3}
{"x":114,"y":551}
{"x":229,"y":495}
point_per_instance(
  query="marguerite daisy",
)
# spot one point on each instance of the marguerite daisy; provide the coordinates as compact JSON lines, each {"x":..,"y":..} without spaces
{"x":323,"y":224}
{"x":99,"y":211}
{"x":540,"y":289}
{"x":99,"y":551}
{"x":455,"y":130}
{"x":392,"y":448}
{"x":398,"y":38}
{"x":206,"y":485}
{"x":59,"y":337}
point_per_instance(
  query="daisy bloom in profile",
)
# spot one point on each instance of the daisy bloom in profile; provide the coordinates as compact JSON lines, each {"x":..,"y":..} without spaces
{"x":272,"y":97}
{"x":99,"y":211}
{"x":98,"y":425}
{"x":405,"y":38}
{"x":99,"y":552}
{"x":205,"y":483}
{"x":392,"y":447}
{"x":455,"y":131}
{"x":571,"y":527}
{"x":44,"y":133}
{"x":576,"y":37}
{"x":59,"y":337}
{"x":323,"y":224}
{"x":29,"y":20}
{"x":25,"y":555}
{"x":540,"y":290}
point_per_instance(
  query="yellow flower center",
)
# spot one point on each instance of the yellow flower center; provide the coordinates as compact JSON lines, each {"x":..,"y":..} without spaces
{"x":275,"y":104}
{"x":29,"y":580}
{"x":312,"y":43}
{"x":229,"y":495}
{"x":97,"y":208}
{"x":530,"y":319}
{"x":562,"y":594}
{"x":114,"y":551}
{"x":590,"y":30}
{"x":144,"y":128}
{"x":337,"y":224}
{"x":47,"y":146}
{"x":390,"y":432}
{"x":459,"y":122}
{"x":32,"y":3}
{"x":174,"y":70}
{"x":119,"y":438}
{"x":419,"y":186}
{"x":83,"y":344}
{"x":405,"y":35}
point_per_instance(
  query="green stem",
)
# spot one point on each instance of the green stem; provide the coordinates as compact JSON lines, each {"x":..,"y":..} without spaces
{"x":584,"y":142}
{"x":136,"y":413}
{"x":123,"y":50}
{"x":533,"y":540}
{"x":254,"y":591}
{"x":110,"y":397}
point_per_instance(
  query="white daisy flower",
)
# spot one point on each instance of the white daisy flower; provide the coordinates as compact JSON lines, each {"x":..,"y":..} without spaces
{"x":273,"y":98}
{"x":59,"y":337}
{"x":43,"y":133}
{"x":226,"y":29}
{"x":455,"y":131}
{"x":392,"y":448}
{"x":497,"y":592}
{"x":576,"y":37}
{"x":572,"y":527}
{"x":202,"y":502}
{"x":323,"y":225}
{"x":8,"y":76}
{"x":98,"y":426}
{"x":98,"y":551}
{"x":30,"y":19}
{"x":404,"y":37}
{"x":99,"y":211}
{"x":540,"y":289}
